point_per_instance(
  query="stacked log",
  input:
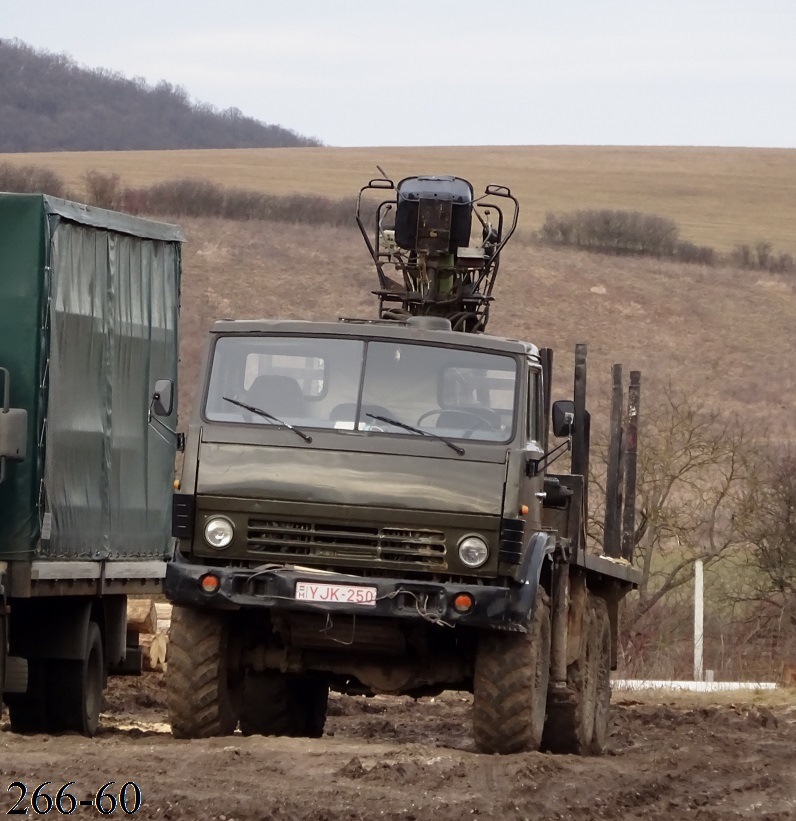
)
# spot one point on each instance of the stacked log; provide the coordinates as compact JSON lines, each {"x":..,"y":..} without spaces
{"x":151,"y":621}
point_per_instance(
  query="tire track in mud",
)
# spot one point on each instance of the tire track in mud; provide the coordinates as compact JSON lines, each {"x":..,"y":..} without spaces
{"x":386,"y":758}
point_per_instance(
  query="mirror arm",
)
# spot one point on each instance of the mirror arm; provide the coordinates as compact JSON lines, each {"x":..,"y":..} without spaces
{"x":178,"y":437}
{"x":535,"y":466}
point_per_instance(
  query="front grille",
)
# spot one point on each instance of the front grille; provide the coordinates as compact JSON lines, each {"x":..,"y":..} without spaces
{"x":302,"y":540}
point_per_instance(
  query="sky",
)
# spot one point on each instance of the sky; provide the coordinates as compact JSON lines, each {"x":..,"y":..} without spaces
{"x":454,"y":72}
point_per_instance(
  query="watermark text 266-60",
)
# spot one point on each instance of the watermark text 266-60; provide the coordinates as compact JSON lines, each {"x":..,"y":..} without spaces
{"x":49,"y":797}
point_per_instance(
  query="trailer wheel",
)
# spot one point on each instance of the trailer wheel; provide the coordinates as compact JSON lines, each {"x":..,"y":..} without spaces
{"x":572,"y":715}
{"x":203,"y":683}
{"x":601,"y":662}
{"x":512,"y":671}
{"x":28,"y":711}
{"x":279,"y":704}
{"x":74,"y":690}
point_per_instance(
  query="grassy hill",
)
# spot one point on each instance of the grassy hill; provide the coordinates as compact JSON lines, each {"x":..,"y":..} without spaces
{"x":718,"y":196}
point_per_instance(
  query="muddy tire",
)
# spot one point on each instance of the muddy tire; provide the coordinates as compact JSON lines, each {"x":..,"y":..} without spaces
{"x":74,"y":695}
{"x":600,"y":637}
{"x":202,"y":680}
{"x":512,"y":671}
{"x":279,"y":704}
{"x":577,"y":717}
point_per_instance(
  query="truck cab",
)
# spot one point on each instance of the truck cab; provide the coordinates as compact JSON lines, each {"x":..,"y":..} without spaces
{"x":378,"y":452}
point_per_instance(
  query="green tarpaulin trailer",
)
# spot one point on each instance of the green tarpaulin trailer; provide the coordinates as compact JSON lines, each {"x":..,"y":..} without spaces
{"x":89,"y":303}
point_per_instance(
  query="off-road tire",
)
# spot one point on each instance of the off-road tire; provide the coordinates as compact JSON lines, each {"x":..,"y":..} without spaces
{"x":276,"y":703}
{"x":600,"y":637}
{"x":203,"y":688}
{"x":74,"y":688}
{"x":512,"y":672}
{"x":572,"y":713}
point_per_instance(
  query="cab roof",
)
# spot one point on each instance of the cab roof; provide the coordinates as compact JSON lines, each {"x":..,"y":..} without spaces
{"x":375,"y":329}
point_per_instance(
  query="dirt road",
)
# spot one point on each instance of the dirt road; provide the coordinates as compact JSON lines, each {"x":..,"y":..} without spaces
{"x":673,"y":757}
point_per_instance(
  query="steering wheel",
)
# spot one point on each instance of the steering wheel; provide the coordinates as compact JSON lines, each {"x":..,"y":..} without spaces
{"x":482,"y":417}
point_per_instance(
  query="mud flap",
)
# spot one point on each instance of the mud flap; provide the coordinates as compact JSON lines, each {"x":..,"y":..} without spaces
{"x":540,"y":548}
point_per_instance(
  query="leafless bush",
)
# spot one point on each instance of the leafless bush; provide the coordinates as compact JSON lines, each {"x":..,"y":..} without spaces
{"x":762,"y":257}
{"x":698,"y":254}
{"x":632,"y":232}
{"x":184,"y":198}
{"x":30,"y":179}
{"x":103,"y":190}
{"x":741,"y":642}
{"x":613,"y":231}
{"x":769,"y":524}
{"x":202,"y":198}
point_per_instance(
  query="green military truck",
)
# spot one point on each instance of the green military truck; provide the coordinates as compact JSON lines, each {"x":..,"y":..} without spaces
{"x":88,"y":331}
{"x":370,"y":506}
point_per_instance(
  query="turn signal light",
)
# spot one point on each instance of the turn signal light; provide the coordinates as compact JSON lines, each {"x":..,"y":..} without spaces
{"x":463,"y":603}
{"x":209,"y":583}
{"x":524,"y":510}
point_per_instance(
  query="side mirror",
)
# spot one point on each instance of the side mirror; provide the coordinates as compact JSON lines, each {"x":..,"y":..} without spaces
{"x":163,"y":397}
{"x":563,"y":417}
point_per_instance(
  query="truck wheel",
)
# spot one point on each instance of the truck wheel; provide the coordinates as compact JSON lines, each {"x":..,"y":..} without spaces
{"x":572,"y":714}
{"x":28,"y":711}
{"x":601,"y":661}
{"x":202,"y":676}
{"x":280,"y":704}
{"x":512,"y":671}
{"x":74,"y":692}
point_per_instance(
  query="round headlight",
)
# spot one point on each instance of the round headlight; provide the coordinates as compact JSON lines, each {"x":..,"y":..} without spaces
{"x":219,"y":532}
{"x":473,"y":551}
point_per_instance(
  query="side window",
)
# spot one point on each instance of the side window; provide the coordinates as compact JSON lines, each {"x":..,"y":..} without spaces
{"x":534,"y":424}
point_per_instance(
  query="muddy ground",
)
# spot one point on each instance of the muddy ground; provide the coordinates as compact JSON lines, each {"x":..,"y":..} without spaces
{"x":719,"y":756}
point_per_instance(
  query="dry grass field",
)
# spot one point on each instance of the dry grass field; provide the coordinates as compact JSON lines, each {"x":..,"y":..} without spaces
{"x":720,"y":333}
{"x":718,"y":196}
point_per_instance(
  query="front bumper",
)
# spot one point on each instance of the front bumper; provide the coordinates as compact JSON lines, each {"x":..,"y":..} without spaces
{"x":273,"y":587}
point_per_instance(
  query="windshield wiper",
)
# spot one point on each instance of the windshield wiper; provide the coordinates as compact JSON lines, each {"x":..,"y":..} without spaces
{"x":403,"y":425}
{"x":269,"y":416}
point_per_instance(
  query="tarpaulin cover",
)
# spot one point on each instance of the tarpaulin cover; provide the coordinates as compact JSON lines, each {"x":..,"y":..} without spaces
{"x":88,"y":323}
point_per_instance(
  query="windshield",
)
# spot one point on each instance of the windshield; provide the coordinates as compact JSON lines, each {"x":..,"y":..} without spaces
{"x":317,"y":382}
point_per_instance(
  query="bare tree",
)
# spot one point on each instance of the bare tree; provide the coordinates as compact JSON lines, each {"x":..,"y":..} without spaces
{"x":769,"y":524}
{"x":694,"y":468}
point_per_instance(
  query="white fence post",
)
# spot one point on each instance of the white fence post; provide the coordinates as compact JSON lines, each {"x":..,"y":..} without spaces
{"x":699,"y":618}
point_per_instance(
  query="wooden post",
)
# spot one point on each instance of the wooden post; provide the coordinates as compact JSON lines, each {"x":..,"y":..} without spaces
{"x":631,"y":461}
{"x":546,"y":357}
{"x":612,"y":544}
{"x":580,"y":434}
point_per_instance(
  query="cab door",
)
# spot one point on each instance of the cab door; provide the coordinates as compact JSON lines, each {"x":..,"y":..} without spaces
{"x":531,"y":486}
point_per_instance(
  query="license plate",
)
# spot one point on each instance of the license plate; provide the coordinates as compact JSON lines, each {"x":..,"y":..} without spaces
{"x":336,"y":593}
